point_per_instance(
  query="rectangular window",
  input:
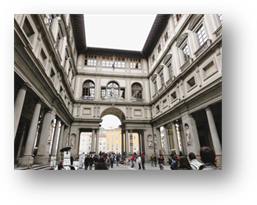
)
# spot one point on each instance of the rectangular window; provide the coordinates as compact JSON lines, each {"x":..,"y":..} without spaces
{"x":153,"y":58}
{"x":157,"y":108}
{"x":201,"y":35}
{"x":123,"y":63}
{"x":162,"y":78}
{"x":91,"y":61}
{"x":191,"y":82}
{"x":122,"y":93}
{"x":103,"y":61}
{"x":173,"y":96}
{"x":155,"y":87}
{"x":220,"y":18}
{"x":159,"y":48}
{"x":52,"y":75}
{"x":27,"y":28}
{"x":103,"y":92}
{"x":166,"y":36}
{"x":186,"y":52}
{"x":176,"y":18}
{"x":170,"y":68}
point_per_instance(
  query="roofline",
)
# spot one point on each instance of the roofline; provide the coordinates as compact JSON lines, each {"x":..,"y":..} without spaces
{"x":158,"y":26}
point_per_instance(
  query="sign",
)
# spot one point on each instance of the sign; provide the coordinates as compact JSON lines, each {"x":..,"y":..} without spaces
{"x":53,"y":161}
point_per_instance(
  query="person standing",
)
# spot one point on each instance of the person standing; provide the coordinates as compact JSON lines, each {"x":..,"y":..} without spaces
{"x":117,"y":159}
{"x":209,"y":158}
{"x":132,"y":161}
{"x":155,"y":161}
{"x":112,"y":161}
{"x":88,"y":162}
{"x":143,"y":160}
{"x":195,"y":164}
{"x":160,"y":161}
{"x":139,"y":162}
{"x":174,"y":164}
{"x":183,"y":163}
{"x":152,"y":158}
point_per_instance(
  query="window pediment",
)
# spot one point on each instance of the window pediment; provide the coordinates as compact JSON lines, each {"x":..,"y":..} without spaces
{"x":194,"y":21}
{"x":159,"y":69}
{"x":154,"y":76}
{"x":181,"y":39}
{"x":167,"y":58}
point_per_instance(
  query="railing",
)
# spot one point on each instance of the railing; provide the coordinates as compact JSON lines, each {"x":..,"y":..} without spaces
{"x":218,"y":31}
{"x":137,"y":99}
{"x":87,"y":97}
{"x":185,"y":65}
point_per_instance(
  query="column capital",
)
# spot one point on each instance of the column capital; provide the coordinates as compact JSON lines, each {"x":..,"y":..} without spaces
{"x":207,"y":108}
{"x":41,"y":101}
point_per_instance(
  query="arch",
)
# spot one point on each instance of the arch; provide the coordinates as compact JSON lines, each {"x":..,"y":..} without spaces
{"x":194,"y":21}
{"x":88,"y":90}
{"x":113,"y":89}
{"x":167,"y":58}
{"x":136,"y":92}
{"x":113,"y":111}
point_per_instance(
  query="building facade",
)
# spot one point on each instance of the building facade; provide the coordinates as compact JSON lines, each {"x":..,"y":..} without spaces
{"x":175,"y":82}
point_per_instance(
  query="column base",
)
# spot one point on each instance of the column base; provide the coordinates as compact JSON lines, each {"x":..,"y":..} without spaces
{"x":26,"y":160}
{"x":219,"y":160}
{"x":41,"y":159}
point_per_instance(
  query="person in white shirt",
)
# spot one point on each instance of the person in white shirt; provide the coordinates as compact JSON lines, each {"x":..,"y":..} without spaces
{"x":138,"y":161}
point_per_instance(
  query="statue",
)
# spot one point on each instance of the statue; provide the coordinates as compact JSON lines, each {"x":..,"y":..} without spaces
{"x":112,"y":92}
{"x":188,"y":135}
{"x":50,"y":133}
{"x":150,"y":141}
{"x":72,"y":141}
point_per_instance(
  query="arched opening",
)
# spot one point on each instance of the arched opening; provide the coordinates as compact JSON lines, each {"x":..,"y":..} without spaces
{"x":136,"y":92}
{"x":88,"y":92}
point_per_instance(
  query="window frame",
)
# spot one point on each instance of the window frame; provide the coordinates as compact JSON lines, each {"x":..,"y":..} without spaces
{"x":137,"y":91}
{"x":87,"y":90}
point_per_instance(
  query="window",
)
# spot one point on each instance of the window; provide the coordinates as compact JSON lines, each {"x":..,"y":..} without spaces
{"x":170,"y":68}
{"x":136,"y":92}
{"x":153,"y":58}
{"x":88,"y":90}
{"x":186,"y":52}
{"x":100,"y":139}
{"x":113,"y":87}
{"x":122,"y":93}
{"x":162,"y":79}
{"x":90,"y":60}
{"x":103,"y":143}
{"x":107,"y":61}
{"x":52,"y":75}
{"x":116,"y":138}
{"x":191,"y":82}
{"x":135,"y":63}
{"x":27,"y":28}
{"x":103,"y":92}
{"x":157,"y":108}
{"x":166,"y":36}
{"x":173,"y":96}
{"x":155,"y":86}
{"x":50,"y":20}
{"x":43,"y":57}
{"x":100,"y":143}
{"x":201,"y":35}
{"x":176,"y":18}
{"x":159,"y":48}
{"x":134,"y":136}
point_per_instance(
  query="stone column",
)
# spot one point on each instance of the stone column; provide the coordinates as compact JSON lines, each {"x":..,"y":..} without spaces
{"x":214,"y":133}
{"x":93,"y":141}
{"x":43,"y":148}
{"x":56,"y":136}
{"x":122,"y":147}
{"x":158,"y":138}
{"x":175,"y":137}
{"x":167,"y":144}
{"x":97,"y":141}
{"x":139,"y":143}
{"x":131,"y":142}
{"x":21,"y":142}
{"x":126,"y":144}
{"x":18,"y":105}
{"x":60,"y":142}
{"x":65,"y":136}
{"x":27,"y":158}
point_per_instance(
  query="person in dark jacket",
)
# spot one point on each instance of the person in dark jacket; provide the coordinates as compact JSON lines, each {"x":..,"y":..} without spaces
{"x":117,"y":159}
{"x":155,"y":161}
{"x":71,"y":160}
{"x":161,"y":161}
{"x":174,"y":164}
{"x":60,"y":166}
{"x":101,"y":165}
{"x":209,"y":159}
{"x":143,"y":160}
{"x":88,"y":162}
{"x":183,"y":163}
{"x":112,"y":161}
{"x":95,"y":159}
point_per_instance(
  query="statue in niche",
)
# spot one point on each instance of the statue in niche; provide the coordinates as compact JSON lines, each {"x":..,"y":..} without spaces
{"x":72,"y":141}
{"x":112,"y":92}
{"x":50,"y":133}
{"x":188,"y":135}
{"x":150,"y":141}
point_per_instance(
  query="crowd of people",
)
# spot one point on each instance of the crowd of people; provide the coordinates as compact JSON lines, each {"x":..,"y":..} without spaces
{"x":104,"y":161}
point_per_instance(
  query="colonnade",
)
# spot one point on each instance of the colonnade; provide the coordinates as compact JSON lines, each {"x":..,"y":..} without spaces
{"x":38,"y":136}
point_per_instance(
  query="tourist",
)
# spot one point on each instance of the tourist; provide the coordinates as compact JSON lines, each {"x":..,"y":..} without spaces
{"x":112,"y":161}
{"x":152,"y":160}
{"x":155,"y":161}
{"x":209,"y":159}
{"x":138,"y":161}
{"x":60,"y":166}
{"x":88,"y":162}
{"x":71,"y":160}
{"x":183,"y":163}
{"x":108,"y":162}
{"x":95,"y":159}
{"x":117,"y":159}
{"x":132,"y":161}
{"x":161,"y":162}
{"x":195,"y":164}
{"x":101,"y":165}
{"x":143,"y":160}
{"x":174,"y":164}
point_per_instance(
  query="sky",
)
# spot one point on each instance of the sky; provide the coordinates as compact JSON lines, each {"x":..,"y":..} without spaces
{"x":110,"y":121}
{"x":128,"y":32}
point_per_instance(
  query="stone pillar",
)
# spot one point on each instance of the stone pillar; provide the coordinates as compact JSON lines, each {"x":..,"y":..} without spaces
{"x":65,"y":136}
{"x":55,"y":139}
{"x":97,"y":141}
{"x":18,"y":105}
{"x":175,"y":137}
{"x":60,"y":142}
{"x":27,"y":158}
{"x":21,"y":142}
{"x":190,"y":136}
{"x":126,"y":144}
{"x":167,"y":144}
{"x":93,"y":141}
{"x":214,"y":133}
{"x":158,"y":138}
{"x":139,"y":143}
{"x":131,"y":142}
{"x":43,"y":148}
